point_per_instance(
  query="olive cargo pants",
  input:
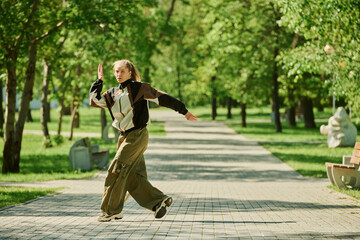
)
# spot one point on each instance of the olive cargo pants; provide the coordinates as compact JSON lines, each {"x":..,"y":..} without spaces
{"x":127,"y":172}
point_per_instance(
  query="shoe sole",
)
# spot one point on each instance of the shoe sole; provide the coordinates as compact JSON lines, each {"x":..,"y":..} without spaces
{"x":108,"y":219}
{"x":160,"y":212}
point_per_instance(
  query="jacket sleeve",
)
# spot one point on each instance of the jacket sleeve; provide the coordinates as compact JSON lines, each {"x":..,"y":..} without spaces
{"x":96,"y":100}
{"x":162,"y":98}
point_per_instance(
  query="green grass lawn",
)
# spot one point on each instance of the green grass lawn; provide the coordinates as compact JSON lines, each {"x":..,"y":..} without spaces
{"x":15,"y":195}
{"x":38,"y":163}
{"x":89,"y":122}
{"x":307,"y":158}
{"x":253,"y":113}
{"x":265,"y":131}
{"x":350,"y":192}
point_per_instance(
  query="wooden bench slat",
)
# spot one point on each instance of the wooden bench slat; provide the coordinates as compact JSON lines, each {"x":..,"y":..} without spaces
{"x":355,"y":160}
{"x":338,"y":165}
{"x":357,"y":146}
{"x":328,"y":164}
{"x":356,"y":153}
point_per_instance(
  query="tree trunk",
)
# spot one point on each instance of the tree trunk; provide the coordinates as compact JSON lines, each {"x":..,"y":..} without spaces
{"x":307,"y":109}
{"x":213,"y":108}
{"x":75,"y":105}
{"x":213,"y":101}
{"x":9,"y":130}
{"x":61,"y":113}
{"x":292,"y":116}
{"x":243,"y":114}
{"x":147,"y":75}
{"x":62,"y":89}
{"x":48,"y":110}
{"x":229,"y":105}
{"x":66,"y":110}
{"x":179,"y":83}
{"x":1,"y":111}
{"x":24,"y":104}
{"x":44,"y":106}
{"x":72,"y":122}
{"x":320,"y":107}
{"x":103,"y":122}
{"x":28,"y":116}
{"x":276,"y":102}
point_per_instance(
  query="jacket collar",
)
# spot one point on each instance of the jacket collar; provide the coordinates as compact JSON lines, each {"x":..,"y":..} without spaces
{"x":124,"y":84}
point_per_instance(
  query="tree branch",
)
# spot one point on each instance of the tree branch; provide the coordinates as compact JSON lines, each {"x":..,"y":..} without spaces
{"x":295,"y":40}
{"x":27,"y":23}
{"x":171,"y":10}
{"x":51,"y":31}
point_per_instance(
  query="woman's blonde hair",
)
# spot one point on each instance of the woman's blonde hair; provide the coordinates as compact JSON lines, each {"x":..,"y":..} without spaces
{"x":130,"y":66}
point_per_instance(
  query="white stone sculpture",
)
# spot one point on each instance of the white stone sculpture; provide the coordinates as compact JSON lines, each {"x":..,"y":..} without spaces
{"x":340,"y":130}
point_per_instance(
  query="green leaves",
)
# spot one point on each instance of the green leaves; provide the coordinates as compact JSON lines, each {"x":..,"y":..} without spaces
{"x":323,"y":23}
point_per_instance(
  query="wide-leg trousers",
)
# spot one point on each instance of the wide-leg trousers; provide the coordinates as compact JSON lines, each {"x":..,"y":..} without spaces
{"x":127,"y":173}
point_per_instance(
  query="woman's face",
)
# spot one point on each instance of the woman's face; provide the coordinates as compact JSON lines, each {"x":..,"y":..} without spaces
{"x":122,"y":73}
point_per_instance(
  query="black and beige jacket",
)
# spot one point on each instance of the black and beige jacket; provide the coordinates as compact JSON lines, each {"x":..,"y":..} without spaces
{"x":128,"y":103}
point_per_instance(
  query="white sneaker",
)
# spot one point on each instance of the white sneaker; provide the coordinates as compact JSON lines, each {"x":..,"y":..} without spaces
{"x":160,"y":209}
{"x":107,"y":218}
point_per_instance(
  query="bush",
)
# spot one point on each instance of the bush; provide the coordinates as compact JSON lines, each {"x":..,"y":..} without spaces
{"x":58,"y":139}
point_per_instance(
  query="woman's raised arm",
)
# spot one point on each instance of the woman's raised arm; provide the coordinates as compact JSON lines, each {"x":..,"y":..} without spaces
{"x":100,"y":72}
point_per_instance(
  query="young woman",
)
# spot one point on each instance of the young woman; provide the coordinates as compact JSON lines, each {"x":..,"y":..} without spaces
{"x":128,"y":106}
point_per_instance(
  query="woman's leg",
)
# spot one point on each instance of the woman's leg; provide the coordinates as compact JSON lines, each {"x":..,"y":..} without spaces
{"x":141,"y":189}
{"x":131,"y":148}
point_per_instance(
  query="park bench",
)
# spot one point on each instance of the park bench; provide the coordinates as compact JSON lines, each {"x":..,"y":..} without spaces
{"x":347,"y":173}
{"x":86,"y":156}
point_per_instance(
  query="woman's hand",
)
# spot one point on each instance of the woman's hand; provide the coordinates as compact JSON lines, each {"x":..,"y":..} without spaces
{"x":100,"y":72}
{"x":190,"y":117}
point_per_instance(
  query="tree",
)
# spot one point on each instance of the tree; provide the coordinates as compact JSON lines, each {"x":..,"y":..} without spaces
{"x":23,"y":24}
{"x":29,"y":23}
{"x":331,"y":30}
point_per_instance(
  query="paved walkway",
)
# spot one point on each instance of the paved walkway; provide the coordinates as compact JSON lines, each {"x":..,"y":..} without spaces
{"x":224,"y":187}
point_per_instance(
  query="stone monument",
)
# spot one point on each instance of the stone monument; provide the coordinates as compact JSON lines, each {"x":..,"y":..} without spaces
{"x":340,"y":130}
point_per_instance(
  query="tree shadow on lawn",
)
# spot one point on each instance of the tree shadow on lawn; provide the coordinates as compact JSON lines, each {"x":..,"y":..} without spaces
{"x":262,"y":129}
{"x":309,"y":157}
{"x":43,"y":163}
{"x":262,"y":115}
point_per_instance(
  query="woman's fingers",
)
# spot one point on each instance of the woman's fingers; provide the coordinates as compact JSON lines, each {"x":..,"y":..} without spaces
{"x":190,"y":117}
{"x":100,"y":72}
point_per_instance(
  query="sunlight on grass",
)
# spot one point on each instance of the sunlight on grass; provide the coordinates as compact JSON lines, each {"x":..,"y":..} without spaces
{"x":355,"y":193}
{"x":89,"y":122}
{"x":15,"y":195}
{"x":266,"y":131}
{"x":307,"y":158}
{"x":38,"y":163}
{"x":259,"y":113}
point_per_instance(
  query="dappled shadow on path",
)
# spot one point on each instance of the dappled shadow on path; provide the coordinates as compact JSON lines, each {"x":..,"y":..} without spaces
{"x":214,"y":167}
{"x":79,"y":213}
{"x":87,"y":205}
{"x":203,"y":141}
{"x":213,"y":159}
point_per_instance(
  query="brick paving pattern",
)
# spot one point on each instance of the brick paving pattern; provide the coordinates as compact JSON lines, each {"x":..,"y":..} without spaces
{"x":223,"y":185}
